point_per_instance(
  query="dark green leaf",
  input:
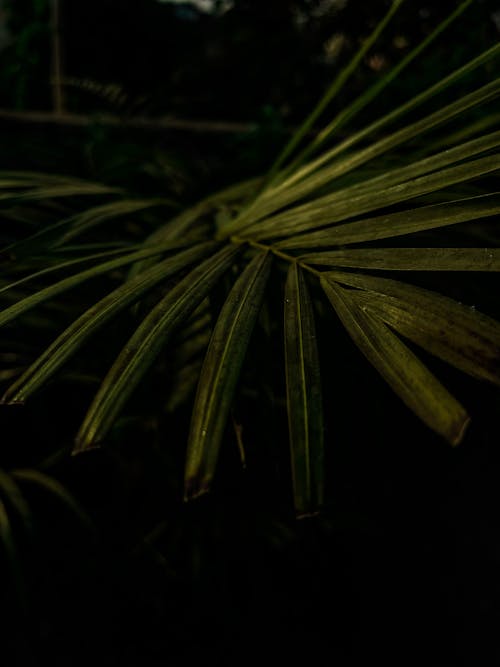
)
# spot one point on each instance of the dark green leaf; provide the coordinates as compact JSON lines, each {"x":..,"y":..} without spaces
{"x":144,"y":346}
{"x":408,"y":377}
{"x":55,"y":488}
{"x":456,"y":333}
{"x":50,"y":292}
{"x":304,"y":397}
{"x":411,"y":259}
{"x":220,"y":372}
{"x":325,"y":211}
{"x":71,"y":340}
{"x":400,"y":223}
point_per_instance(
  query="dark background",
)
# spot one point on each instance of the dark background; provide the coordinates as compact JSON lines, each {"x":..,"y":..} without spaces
{"x":402,"y":565}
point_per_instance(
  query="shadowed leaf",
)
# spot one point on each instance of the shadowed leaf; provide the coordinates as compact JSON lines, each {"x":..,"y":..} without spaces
{"x":411,"y":259}
{"x":304,"y":398}
{"x":334,"y":89}
{"x":453,"y":332}
{"x":326,"y":211}
{"x":402,"y":370}
{"x":26,"y":304}
{"x":56,"y":489}
{"x":400,"y":223}
{"x":274,"y":200}
{"x":70,"y":341}
{"x":12,"y":493}
{"x":220,"y":372}
{"x":144,"y":346}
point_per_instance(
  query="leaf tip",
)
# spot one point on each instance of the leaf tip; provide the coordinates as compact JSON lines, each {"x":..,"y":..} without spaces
{"x":194,"y":490}
{"x":82,"y":446}
{"x":7,"y":400}
{"x":457,"y":439}
{"x":307,"y":514}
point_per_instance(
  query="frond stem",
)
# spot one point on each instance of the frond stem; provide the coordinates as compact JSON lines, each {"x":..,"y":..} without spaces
{"x":237,"y":240}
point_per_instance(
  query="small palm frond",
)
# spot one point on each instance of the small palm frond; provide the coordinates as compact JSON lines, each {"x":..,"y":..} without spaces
{"x":319,"y":214}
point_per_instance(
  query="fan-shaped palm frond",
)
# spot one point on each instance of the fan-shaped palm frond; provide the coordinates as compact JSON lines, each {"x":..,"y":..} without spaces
{"x":317,"y":214}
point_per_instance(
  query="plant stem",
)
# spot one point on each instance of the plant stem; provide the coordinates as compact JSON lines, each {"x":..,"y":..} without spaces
{"x":237,"y":240}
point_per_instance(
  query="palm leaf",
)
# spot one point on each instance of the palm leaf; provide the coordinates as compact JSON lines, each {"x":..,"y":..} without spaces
{"x":146,"y":343}
{"x":333,"y":90}
{"x":411,"y":259}
{"x":293,"y":192}
{"x":294,"y":172}
{"x":60,"y":190}
{"x":71,"y":340}
{"x":406,"y":375}
{"x":220,"y":373}
{"x":55,"y":488}
{"x":56,"y":233}
{"x":325,"y":210}
{"x":374,"y":127}
{"x":456,"y":333}
{"x":400,"y":223}
{"x":12,"y":493}
{"x":304,"y":398}
{"x":39,"y":297}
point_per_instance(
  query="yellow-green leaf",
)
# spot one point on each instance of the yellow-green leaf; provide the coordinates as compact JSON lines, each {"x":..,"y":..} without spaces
{"x":400,"y":223}
{"x":403,"y":371}
{"x":411,"y":259}
{"x":146,"y":343}
{"x":71,"y":340}
{"x":220,"y":373}
{"x":459,"y":335}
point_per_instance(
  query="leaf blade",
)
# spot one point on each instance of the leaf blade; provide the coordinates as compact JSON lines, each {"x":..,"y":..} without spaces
{"x":145,"y":344}
{"x":220,"y":372}
{"x":33,"y":300}
{"x":401,"y":223}
{"x":326,"y":212}
{"x":406,"y":375}
{"x":74,"y":336}
{"x":410,"y":259}
{"x":304,"y":396}
{"x":462,"y":337}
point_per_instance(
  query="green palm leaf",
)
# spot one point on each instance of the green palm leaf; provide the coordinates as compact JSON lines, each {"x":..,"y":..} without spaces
{"x":70,"y":341}
{"x":400,"y":223}
{"x":304,"y":397}
{"x":407,"y":376}
{"x":146,"y":343}
{"x":39,"y":297}
{"x":220,"y":372}
{"x":333,"y":90}
{"x":286,"y":195}
{"x":411,"y":259}
{"x":55,"y":488}
{"x":456,"y":333}
{"x":11,"y":492}
{"x":326,"y":211}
